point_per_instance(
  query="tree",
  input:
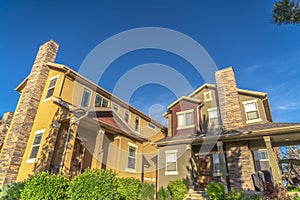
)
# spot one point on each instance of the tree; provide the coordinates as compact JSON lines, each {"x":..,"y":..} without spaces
{"x":286,"y":12}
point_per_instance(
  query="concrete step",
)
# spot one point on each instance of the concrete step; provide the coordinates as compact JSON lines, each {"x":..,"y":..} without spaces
{"x":196,"y":195}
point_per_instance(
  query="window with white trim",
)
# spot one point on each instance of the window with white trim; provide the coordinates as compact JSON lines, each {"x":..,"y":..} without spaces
{"x":38,"y":135}
{"x":152,"y":126}
{"x":171,"y":162}
{"x":261,"y":160}
{"x":216,"y":163}
{"x":213,"y":115}
{"x":251,"y":110}
{"x":51,"y":86}
{"x":137,"y":123}
{"x":185,"y":119}
{"x":116,"y":107}
{"x":100,"y":101}
{"x":86,"y":97}
{"x":127,"y":116}
{"x":132,"y":152}
{"x":207,"y":96}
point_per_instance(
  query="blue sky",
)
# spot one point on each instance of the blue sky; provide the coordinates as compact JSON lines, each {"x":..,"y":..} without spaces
{"x":237,"y":33}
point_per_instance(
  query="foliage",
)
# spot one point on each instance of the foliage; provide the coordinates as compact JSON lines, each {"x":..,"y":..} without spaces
{"x":94,"y":184}
{"x":163,"y":194}
{"x":254,"y":197}
{"x":128,"y":188}
{"x":11,"y":191}
{"x":236,"y":195}
{"x":286,"y":12}
{"x":215,"y":191}
{"x":293,"y":189}
{"x":177,"y":189}
{"x":45,"y":186}
{"x":295,"y":197}
{"x":147,"y":191}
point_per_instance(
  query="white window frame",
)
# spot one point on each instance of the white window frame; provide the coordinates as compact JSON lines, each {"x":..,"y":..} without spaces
{"x":151,"y":126}
{"x":53,"y":77}
{"x":117,"y":107}
{"x":128,"y":116}
{"x":184,"y":113}
{"x":33,"y":160}
{"x":90,"y":96}
{"x":101,"y":102}
{"x":139,"y":124}
{"x":257,"y":109}
{"x":218,"y":116}
{"x":175,"y":151}
{"x":210,"y":97}
{"x":261,"y":150}
{"x":131,"y":145}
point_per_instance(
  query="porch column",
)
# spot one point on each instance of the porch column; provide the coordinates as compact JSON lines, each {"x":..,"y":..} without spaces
{"x":273,"y":162}
{"x":69,"y":148}
{"x":223,"y":168}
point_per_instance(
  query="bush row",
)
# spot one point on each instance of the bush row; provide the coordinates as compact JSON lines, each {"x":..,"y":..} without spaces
{"x":176,"y":190}
{"x":92,"y":184}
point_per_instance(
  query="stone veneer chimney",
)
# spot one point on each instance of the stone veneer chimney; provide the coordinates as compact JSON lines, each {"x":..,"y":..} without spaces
{"x":228,"y":97}
{"x":13,"y":150}
{"x":4,"y":124}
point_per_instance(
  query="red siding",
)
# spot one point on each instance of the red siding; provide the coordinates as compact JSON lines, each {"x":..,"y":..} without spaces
{"x":184,"y":105}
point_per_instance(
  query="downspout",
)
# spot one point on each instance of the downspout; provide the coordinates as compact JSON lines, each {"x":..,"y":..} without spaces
{"x":68,"y":138}
{"x":198,"y":118}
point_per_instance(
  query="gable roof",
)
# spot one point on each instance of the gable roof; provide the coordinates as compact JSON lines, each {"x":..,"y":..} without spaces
{"x":184,"y":98}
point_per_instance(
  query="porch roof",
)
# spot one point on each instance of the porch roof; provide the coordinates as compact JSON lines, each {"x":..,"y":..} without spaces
{"x":282,"y":133}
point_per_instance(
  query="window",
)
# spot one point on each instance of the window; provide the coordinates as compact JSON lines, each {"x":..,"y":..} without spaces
{"x":213,"y":115}
{"x":100,"y":101}
{"x":261,"y":160}
{"x":126,"y":117}
{"x":137,"y":123}
{"x":216,"y":163}
{"x":132,"y":158}
{"x":251,"y":110}
{"x":116,"y":107}
{"x":38,"y":135}
{"x":152,"y":126}
{"x":185,"y":119}
{"x":207,"y":96}
{"x":51,"y":87}
{"x":171,"y":162}
{"x":86,"y":98}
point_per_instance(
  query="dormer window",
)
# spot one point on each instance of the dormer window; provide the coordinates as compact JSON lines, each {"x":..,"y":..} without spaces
{"x":185,"y":119}
{"x":51,"y":87}
{"x":251,"y":111}
{"x":86,"y":97}
{"x":207,"y":96}
{"x":100,"y":101}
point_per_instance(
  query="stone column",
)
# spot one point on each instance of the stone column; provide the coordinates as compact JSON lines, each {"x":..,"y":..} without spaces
{"x":4,"y":124}
{"x":16,"y":141}
{"x":273,"y":162}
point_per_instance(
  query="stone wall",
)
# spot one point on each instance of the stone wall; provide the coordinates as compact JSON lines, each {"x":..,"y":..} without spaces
{"x":15,"y":145}
{"x":4,"y":125}
{"x":239,"y":163}
{"x":228,"y":97}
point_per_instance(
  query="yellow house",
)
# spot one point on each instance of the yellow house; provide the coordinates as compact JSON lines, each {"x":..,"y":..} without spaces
{"x":65,"y":123}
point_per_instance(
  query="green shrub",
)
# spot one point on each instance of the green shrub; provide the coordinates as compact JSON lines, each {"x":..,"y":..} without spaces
{"x":11,"y":191}
{"x":147,"y":191}
{"x":94,"y":184}
{"x":236,"y":195}
{"x":128,"y":188}
{"x":177,"y":189}
{"x":215,"y":191}
{"x":254,"y":197}
{"x":45,"y":186}
{"x":163,"y":194}
{"x":293,"y":189}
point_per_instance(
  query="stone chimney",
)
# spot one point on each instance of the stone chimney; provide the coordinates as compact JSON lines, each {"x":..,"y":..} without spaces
{"x":4,"y":124}
{"x":13,"y":149}
{"x":228,"y":97}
